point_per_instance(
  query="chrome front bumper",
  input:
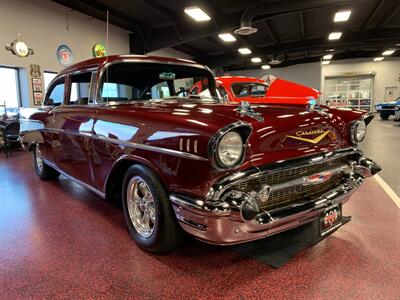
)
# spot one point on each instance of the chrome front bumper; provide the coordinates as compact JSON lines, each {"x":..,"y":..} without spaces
{"x":220,"y":222}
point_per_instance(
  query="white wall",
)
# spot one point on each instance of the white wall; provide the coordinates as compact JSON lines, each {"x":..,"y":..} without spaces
{"x":306,"y":74}
{"x":387,"y":73}
{"x":42,"y":24}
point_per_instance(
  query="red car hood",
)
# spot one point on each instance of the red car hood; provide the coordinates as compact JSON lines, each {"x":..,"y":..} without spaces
{"x":286,"y":92}
{"x":286,"y":131}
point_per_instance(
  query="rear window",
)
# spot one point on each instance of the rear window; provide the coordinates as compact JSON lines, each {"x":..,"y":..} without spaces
{"x":249,"y":89}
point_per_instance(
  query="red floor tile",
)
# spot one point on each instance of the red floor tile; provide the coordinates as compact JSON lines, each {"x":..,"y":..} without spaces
{"x":59,"y":240}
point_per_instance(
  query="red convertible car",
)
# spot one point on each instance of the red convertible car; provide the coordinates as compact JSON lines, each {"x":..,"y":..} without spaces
{"x":273,"y":90}
{"x":130,"y":128}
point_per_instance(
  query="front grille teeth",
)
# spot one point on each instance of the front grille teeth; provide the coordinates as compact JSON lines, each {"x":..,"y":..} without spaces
{"x":298,"y":193}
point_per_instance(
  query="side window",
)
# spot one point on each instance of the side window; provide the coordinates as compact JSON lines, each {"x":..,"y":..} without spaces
{"x":55,"y":95}
{"x":80,"y":89}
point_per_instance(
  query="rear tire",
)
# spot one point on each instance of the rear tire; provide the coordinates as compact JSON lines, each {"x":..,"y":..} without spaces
{"x":384,"y":116}
{"x":44,"y":171}
{"x":148,"y":212}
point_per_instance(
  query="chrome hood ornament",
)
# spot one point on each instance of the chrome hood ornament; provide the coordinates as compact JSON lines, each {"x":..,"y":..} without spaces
{"x":246,"y":110}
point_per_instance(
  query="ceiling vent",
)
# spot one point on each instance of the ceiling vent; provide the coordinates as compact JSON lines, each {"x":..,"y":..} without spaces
{"x":274,"y":61}
{"x":246,"y":30}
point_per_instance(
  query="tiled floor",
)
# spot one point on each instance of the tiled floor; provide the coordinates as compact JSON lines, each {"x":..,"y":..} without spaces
{"x":59,"y":240}
{"x":382,"y":143}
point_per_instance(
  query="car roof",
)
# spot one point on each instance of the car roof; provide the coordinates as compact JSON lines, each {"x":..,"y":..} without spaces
{"x":233,"y":79}
{"x":101,"y":61}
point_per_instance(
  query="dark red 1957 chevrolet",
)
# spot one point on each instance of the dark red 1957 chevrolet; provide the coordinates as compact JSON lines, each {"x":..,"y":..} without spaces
{"x":131,"y":128}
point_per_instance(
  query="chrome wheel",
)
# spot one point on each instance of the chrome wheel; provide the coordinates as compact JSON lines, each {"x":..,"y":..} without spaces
{"x":38,"y":159}
{"x":141,"y":208}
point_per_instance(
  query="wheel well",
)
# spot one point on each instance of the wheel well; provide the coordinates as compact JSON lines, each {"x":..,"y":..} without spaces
{"x":115,"y":179}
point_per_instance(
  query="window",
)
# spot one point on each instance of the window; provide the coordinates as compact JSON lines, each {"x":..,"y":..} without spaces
{"x":349,"y":92}
{"x":144,"y":81}
{"x":80,"y":89}
{"x":56,"y":95}
{"x":48,"y":77}
{"x":249,"y":89}
{"x":9,"y":90}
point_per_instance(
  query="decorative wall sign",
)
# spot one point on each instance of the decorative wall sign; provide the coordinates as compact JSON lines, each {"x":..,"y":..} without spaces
{"x":99,"y":50}
{"x":19,"y":48}
{"x":37,"y":84}
{"x":64,"y":55}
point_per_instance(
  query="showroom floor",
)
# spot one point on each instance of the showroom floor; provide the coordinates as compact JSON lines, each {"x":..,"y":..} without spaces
{"x":58,"y":239}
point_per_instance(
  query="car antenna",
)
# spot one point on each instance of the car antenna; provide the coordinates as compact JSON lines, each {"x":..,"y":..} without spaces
{"x":107,"y":49}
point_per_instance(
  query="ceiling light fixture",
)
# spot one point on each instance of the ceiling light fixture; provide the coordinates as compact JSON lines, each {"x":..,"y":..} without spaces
{"x":326,"y":62}
{"x":388,"y":52}
{"x":327,"y":57}
{"x":256,"y":60}
{"x":227,"y":37}
{"x":197,"y":14}
{"x":244,"y":51}
{"x":330,"y":50}
{"x":342,"y":16}
{"x":335,"y":35}
{"x":379,"y":58}
{"x":265,"y":67}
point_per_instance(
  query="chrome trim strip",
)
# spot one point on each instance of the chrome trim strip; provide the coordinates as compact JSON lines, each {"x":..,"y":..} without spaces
{"x":94,"y":190}
{"x":153,"y":148}
{"x":134,"y":145}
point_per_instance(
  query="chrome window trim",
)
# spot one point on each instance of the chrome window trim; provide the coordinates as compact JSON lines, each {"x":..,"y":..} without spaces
{"x":107,"y":64}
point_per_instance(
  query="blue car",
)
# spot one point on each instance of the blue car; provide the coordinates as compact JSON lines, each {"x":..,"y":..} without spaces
{"x":387,"y":109}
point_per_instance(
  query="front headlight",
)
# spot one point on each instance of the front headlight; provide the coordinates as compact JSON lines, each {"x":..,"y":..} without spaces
{"x":230,"y":149}
{"x":358,"y":131}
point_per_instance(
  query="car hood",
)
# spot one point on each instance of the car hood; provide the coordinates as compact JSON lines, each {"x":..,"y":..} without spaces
{"x":284,"y":132}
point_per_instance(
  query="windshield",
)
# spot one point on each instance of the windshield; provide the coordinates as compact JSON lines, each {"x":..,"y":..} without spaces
{"x":249,"y":89}
{"x":129,"y":81}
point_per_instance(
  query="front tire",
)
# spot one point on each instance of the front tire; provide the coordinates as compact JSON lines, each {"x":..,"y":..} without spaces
{"x":384,"y":116}
{"x":44,"y":171}
{"x":148,"y":212}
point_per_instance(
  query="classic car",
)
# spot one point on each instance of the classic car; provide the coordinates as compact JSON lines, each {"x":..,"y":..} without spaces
{"x":387,"y":109}
{"x":273,"y":90}
{"x":129,"y":128}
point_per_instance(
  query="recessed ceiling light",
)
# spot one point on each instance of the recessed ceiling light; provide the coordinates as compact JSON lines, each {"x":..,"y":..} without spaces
{"x":335,"y":35}
{"x":378,"y":58}
{"x":327,"y":57}
{"x":326,"y":62}
{"x":256,"y":60}
{"x":197,"y":14}
{"x":227,"y":37}
{"x":330,"y":50}
{"x":265,"y":67}
{"x":244,"y":51}
{"x":388,"y":52}
{"x":342,"y":16}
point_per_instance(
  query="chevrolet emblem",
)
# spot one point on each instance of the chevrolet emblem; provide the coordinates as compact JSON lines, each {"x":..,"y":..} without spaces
{"x":299,"y":136}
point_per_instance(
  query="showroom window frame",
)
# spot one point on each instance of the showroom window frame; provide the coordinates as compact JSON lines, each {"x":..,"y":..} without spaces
{"x":18,"y":87}
{"x":46,"y":88}
{"x":359,"y":77}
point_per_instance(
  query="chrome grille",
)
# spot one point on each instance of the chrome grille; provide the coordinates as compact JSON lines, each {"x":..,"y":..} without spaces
{"x":295,"y":193}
